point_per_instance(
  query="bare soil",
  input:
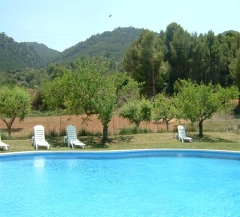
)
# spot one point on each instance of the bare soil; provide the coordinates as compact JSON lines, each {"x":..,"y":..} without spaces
{"x":90,"y":124}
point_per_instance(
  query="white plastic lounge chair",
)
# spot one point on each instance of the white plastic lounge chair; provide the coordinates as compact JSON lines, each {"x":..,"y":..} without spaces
{"x":72,"y":137}
{"x":39,"y":137}
{"x":3,"y":145}
{"x":182,"y":134}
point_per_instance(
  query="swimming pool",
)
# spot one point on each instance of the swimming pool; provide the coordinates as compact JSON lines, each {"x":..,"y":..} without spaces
{"x":120,"y":183}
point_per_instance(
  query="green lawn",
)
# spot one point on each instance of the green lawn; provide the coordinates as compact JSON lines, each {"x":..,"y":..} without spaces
{"x":211,"y":140}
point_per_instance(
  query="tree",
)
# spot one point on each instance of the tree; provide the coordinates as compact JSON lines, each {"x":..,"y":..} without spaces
{"x":91,"y":88}
{"x":14,"y":102}
{"x":234,"y":67}
{"x":137,"y":111}
{"x":200,"y":102}
{"x":143,"y":61}
{"x":164,"y":108}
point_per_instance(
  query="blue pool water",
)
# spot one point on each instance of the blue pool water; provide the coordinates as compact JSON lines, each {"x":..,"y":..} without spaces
{"x":134,"y":183}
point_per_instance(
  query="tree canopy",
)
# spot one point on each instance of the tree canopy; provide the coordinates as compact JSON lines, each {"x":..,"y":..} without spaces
{"x":234,"y":67}
{"x":198,"y":102}
{"x":137,"y":111}
{"x":14,"y":102}
{"x":143,"y":61}
{"x":176,"y":54}
{"x":91,"y":88}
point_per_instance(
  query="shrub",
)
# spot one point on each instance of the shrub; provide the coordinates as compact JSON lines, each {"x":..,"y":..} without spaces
{"x":133,"y":130}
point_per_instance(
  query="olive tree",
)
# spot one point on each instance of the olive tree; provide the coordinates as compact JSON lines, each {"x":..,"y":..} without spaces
{"x":14,"y":102}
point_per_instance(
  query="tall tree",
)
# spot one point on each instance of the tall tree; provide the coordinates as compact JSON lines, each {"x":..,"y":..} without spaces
{"x":234,"y":67}
{"x":198,"y":58}
{"x":178,"y":43}
{"x":143,"y":61}
{"x":14,"y":102}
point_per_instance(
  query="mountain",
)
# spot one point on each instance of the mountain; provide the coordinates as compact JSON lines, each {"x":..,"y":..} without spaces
{"x":17,"y":56}
{"x":112,"y":45}
{"x":46,"y":54}
{"x":229,"y":32}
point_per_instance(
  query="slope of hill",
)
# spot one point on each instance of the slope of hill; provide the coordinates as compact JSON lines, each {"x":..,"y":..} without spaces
{"x":230,"y":31}
{"x":109,"y":44}
{"x":18,"y":56}
{"x":15,"y":56}
{"x":46,"y":54}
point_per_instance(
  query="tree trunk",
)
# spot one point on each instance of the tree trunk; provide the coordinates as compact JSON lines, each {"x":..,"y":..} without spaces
{"x":105,"y":132}
{"x":167,"y":124}
{"x":9,"y":129}
{"x":153,"y":78}
{"x":200,"y":126}
{"x":238,"y":101}
{"x":8,"y":124}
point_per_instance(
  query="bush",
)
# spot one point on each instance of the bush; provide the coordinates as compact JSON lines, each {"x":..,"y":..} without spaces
{"x":134,"y":130}
{"x":52,"y":133}
{"x":5,"y":136}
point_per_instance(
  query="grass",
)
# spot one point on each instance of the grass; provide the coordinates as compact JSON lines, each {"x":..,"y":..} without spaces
{"x":222,"y":132}
{"x":211,"y":140}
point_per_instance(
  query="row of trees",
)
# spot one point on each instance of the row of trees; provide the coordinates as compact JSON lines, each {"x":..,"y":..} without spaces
{"x":161,"y":59}
{"x":191,"y":101}
{"x":91,"y":87}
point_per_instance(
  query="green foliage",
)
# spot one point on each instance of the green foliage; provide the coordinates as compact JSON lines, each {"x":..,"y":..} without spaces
{"x":143,"y":61}
{"x":91,"y":88}
{"x":199,"y":102}
{"x":46,"y":54}
{"x":137,"y":111}
{"x":164,"y":108}
{"x":180,"y":55}
{"x":37,"y":100}
{"x":111,"y":45}
{"x":15,"y":56}
{"x":14,"y":102}
{"x":157,"y":61}
{"x":133,"y":130}
{"x":234,"y":67}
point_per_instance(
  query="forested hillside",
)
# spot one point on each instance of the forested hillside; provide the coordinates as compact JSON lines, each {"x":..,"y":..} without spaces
{"x":18,"y":56}
{"x":47,"y":55}
{"x":157,"y":60}
{"x":112,"y":45}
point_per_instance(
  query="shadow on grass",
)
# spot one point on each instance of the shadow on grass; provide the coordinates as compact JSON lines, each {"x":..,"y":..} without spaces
{"x":56,"y":142}
{"x":90,"y":141}
{"x":97,"y":142}
{"x":210,"y":139}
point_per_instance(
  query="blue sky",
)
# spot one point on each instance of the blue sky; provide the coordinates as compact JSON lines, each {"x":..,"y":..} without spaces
{"x":60,"y":24}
